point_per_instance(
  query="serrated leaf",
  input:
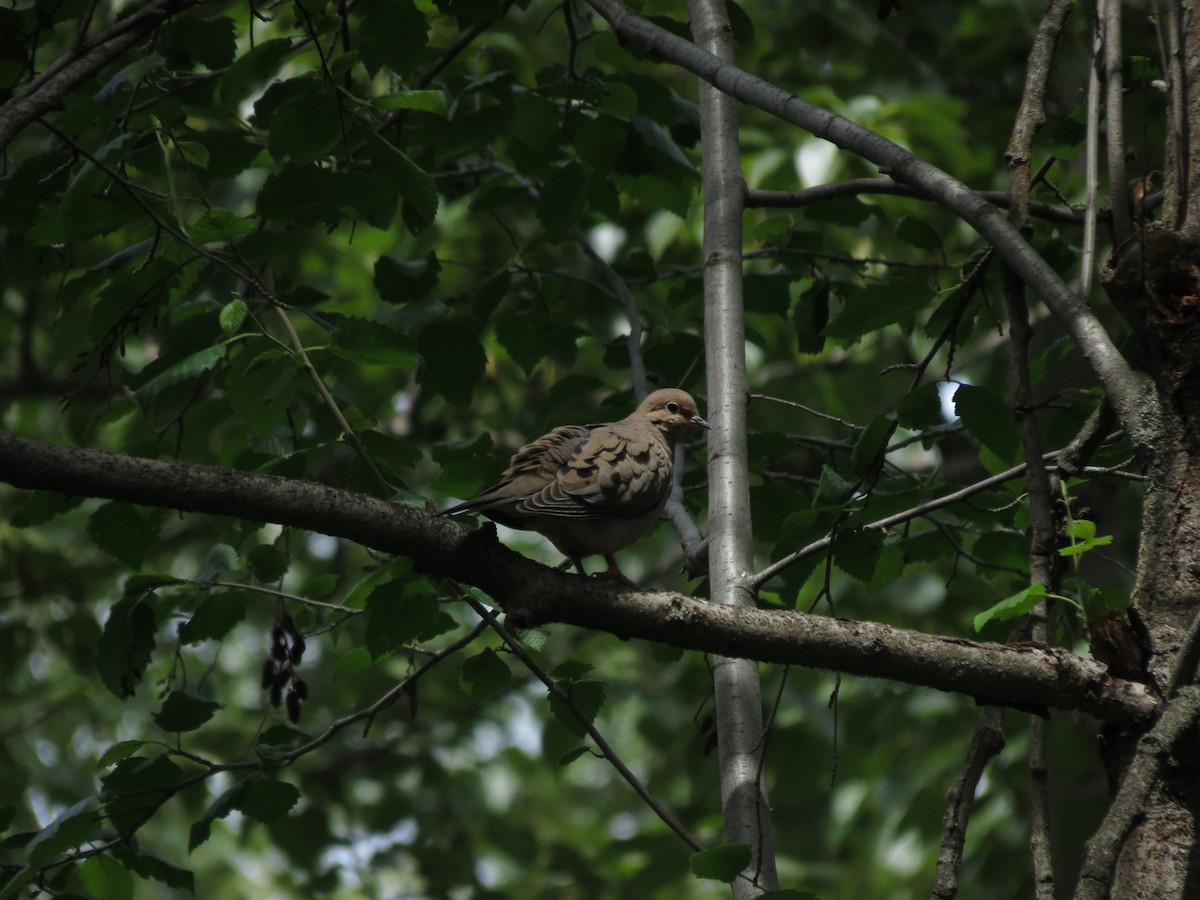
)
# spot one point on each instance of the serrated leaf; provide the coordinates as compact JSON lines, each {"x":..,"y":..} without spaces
{"x":570,"y":670}
{"x":588,"y":698}
{"x":832,"y":488}
{"x":185,"y":369}
{"x":856,"y":552}
{"x":484,"y":675}
{"x":722,"y":863}
{"x":126,"y":645}
{"x":372,"y":343}
{"x":415,"y":185}
{"x":877,"y":306}
{"x":396,"y":613}
{"x":232,"y":316}
{"x":122,"y":532}
{"x":219,"y":226}
{"x":921,"y":408}
{"x":71,"y":828}
{"x":394,"y":33}
{"x":989,"y":420}
{"x":182,"y":712}
{"x":214,"y":618}
{"x":106,"y":879}
{"x":268,"y":563}
{"x":420,"y":101}
{"x":1011,"y":607}
{"x":221,"y":558}
{"x":148,"y":864}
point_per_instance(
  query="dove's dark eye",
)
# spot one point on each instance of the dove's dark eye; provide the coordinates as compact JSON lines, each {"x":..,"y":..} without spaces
{"x":672,"y":407}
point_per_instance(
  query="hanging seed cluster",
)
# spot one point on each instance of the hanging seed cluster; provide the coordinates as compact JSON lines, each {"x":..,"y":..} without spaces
{"x":279,"y":669}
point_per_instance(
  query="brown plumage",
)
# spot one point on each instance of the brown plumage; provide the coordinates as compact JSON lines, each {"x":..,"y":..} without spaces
{"x":593,"y":489}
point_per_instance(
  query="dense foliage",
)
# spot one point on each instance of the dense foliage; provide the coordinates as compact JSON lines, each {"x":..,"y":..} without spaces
{"x":377,"y":245}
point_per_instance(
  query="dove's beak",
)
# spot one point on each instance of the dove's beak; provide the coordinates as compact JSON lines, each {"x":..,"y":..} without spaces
{"x":696,"y":420}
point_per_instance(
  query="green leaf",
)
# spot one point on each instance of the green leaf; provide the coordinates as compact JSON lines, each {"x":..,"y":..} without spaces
{"x":267,"y":800}
{"x":41,"y":507}
{"x":268,"y":563}
{"x":531,"y":336}
{"x":414,"y":184}
{"x":182,"y":711}
{"x":810,"y":316}
{"x":185,"y":369}
{"x":232,"y":316}
{"x":856,"y":552}
{"x":484,"y":675}
{"x":221,"y":558}
{"x":308,"y":126}
{"x":722,"y":863}
{"x":117,"y":752}
{"x":877,"y":306}
{"x":452,"y":360}
{"x":106,"y":879}
{"x":570,"y":756}
{"x":869,"y":447}
{"x":219,"y":226}
{"x":70,"y":829}
{"x":396,"y":613}
{"x":989,"y":419}
{"x":421,"y":101}
{"x":122,"y":532}
{"x":832,"y":488}
{"x":921,"y":408}
{"x":563,"y":199}
{"x":352,"y":661}
{"x":394,"y":33}
{"x":1011,"y":607}
{"x":251,"y":68}
{"x":918,"y":233}
{"x":126,"y":645}
{"x":310,"y":195}
{"x":399,"y":281}
{"x":372,"y":343}
{"x":148,"y":864}
{"x":588,"y":698}
{"x":214,"y":618}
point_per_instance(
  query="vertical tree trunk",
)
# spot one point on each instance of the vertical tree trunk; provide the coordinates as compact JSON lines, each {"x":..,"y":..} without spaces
{"x":1155,"y":279}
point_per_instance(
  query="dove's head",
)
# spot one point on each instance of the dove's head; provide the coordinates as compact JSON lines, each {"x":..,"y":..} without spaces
{"x":671,"y":411}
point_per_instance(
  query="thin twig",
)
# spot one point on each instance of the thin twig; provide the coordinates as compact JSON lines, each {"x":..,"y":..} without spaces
{"x":606,"y":749}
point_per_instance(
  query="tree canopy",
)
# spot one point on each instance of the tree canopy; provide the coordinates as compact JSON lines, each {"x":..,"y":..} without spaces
{"x":279,"y":281}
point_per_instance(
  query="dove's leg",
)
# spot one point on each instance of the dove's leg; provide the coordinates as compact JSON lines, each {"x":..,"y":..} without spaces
{"x":614,"y":572}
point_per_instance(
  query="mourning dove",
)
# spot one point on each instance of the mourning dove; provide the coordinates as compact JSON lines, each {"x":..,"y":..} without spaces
{"x":593,"y":489}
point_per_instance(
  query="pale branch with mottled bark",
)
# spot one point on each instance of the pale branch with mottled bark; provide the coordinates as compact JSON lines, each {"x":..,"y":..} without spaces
{"x":533,"y":594}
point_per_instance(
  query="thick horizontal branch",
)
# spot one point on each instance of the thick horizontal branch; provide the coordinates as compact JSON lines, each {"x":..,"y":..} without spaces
{"x":533,"y":594}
